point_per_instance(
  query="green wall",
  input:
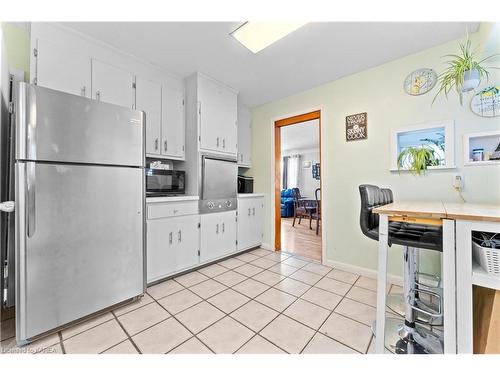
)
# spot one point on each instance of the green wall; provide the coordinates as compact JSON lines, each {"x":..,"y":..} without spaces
{"x":17,"y":45}
{"x":378,"y":91}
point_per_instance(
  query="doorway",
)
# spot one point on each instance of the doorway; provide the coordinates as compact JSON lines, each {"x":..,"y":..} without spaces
{"x":298,"y":224}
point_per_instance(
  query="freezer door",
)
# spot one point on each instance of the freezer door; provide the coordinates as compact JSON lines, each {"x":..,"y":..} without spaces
{"x":79,"y":245}
{"x":60,"y":127}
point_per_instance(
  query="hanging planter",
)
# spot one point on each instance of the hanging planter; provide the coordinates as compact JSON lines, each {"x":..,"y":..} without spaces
{"x":472,"y":79}
{"x":464,"y":72}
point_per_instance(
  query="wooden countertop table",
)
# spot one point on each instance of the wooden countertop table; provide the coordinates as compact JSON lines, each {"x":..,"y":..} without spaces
{"x":445,"y":215}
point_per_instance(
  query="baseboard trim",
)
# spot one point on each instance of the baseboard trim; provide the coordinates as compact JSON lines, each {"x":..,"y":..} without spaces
{"x":266,"y":246}
{"x":368,"y":272}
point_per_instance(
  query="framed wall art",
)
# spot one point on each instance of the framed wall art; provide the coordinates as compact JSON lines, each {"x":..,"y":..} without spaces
{"x":356,"y":127}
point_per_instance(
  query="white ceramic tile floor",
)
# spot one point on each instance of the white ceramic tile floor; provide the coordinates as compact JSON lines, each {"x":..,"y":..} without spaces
{"x":257,"y":302}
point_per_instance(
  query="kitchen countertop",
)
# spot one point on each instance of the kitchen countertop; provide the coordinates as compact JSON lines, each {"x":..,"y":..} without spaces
{"x":250,"y":195}
{"x":172,"y":199}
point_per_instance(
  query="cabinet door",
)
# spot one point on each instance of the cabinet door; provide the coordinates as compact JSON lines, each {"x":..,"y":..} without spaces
{"x":245,"y":221}
{"x":230,"y":125}
{"x":59,"y":70}
{"x":173,"y":123}
{"x":172,"y":245}
{"x":112,"y":85}
{"x":217,"y":116}
{"x":210,"y":237}
{"x":228,"y":232}
{"x":257,"y":221}
{"x":187,"y":237}
{"x":244,"y":137}
{"x":148,"y":99}
{"x":161,"y":248}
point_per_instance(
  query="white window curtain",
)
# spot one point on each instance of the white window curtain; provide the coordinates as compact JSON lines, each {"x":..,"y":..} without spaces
{"x":293,"y":171}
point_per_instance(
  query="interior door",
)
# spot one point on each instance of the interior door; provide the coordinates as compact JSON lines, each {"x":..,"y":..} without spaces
{"x":111,"y":84}
{"x":173,"y":124}
{"x":79,"y":244}
{"x":59,"y":70}
{"x":148,"y":99}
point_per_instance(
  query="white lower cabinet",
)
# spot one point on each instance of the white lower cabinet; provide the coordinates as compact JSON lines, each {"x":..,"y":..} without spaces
{"x":172,"y":245}
{"x":250,"y":215}
{"x":218,"y":235}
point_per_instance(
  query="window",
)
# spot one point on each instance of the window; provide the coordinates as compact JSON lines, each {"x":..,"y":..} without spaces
{"x":437,"y":136}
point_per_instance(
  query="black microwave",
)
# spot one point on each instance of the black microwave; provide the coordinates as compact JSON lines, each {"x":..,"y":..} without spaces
{"x":164,"y":182}
{"x":245,"y":184}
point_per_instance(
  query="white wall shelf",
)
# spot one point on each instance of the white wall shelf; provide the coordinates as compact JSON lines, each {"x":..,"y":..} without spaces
{"x":488,"y":141}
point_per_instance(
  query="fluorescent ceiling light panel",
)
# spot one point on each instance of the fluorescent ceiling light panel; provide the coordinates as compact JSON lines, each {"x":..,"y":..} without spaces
{"x":258,"y":35}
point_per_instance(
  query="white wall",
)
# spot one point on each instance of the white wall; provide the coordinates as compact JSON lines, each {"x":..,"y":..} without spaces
{"x":345,"y":165}
{"x":306,"y":183}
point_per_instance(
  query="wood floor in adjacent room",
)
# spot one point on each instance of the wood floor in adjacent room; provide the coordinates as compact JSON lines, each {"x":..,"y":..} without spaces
{"x":301,"y":240}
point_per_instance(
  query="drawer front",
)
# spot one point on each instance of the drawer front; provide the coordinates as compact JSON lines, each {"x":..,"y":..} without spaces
{"x":169,"y":209}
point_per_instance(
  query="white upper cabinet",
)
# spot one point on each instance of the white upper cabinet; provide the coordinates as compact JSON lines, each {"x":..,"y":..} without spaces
{"x":244,"y":137}
{"x":217,"y":116}
{"x":112,"y":85}
{"x":173,"y":124}
{"x":148,"y":99}
{"x":60,"y":69}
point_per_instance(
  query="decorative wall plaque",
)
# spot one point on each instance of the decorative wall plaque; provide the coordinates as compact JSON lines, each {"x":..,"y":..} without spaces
{"x":486,"y":103}
{"x":356,"y":127}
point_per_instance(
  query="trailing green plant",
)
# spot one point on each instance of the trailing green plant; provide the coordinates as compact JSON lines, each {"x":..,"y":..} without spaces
{"x":417,"y":159}
{"x":453,"y":76}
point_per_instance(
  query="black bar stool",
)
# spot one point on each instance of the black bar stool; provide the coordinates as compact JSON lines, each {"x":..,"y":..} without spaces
{"x":413,"y":337}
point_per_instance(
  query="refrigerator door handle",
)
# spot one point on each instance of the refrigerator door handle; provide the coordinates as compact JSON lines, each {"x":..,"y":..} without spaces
{"x":30,"y":198}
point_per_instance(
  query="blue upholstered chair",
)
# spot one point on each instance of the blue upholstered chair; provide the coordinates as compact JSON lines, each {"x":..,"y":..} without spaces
{"x":286,"y":203}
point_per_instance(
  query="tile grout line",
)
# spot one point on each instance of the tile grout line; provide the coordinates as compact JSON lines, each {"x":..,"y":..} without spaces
{"x":61,"y":342}
{"x":126,"y":333}
{"x":231,"y":288}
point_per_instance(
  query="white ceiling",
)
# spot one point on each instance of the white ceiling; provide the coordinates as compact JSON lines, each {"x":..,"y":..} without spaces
{"x":317,"y":53}
{"x":301,"y":136}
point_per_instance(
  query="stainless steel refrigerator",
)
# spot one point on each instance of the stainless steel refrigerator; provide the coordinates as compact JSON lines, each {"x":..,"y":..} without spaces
{"x":79,"y":208}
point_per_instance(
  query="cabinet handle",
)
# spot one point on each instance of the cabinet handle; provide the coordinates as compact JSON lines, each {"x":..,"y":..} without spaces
{"x":98,"y":95}
{"x":217,"y":142}
{"x":156,"y":144}
{"x":224,"y":143}
{"x":249,"y":211}
{"x":165,"y":145}
{"x":170,"y":238}
{"x":241,"y":157}
{"x":217,"y":229}
{"x":223,"y":228}
{"x":179,"y":236}
{"x":83,"y":90}
{"x":253,"y":209}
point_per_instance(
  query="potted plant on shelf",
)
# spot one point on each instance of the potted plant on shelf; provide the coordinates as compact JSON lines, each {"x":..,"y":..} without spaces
{"x":417,"y":159}
{"x":464,"y":72}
